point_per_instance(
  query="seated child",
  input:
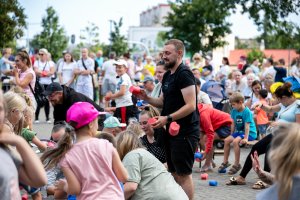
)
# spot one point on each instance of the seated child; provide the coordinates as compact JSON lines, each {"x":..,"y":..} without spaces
{"x":262,"y":119}
{"x":242,"y":130}
{"x":27,"y":133}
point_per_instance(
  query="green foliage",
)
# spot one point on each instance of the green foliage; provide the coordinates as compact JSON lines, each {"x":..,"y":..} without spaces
{"x":90,"y":35}
{"x":201,"y":24}
{"x":207,"y":18}
{"x":255,"y":54}
{"x":52,"y":37}
{"x":12,"y":22}
{"x":118,"y":41}
{"x":285,"y":35}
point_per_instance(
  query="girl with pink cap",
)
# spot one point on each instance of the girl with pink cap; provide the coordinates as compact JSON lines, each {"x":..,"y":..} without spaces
{"x":92,"y":167}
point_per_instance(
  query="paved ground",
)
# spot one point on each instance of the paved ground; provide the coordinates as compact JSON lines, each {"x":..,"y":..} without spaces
{"x":202,"y":190}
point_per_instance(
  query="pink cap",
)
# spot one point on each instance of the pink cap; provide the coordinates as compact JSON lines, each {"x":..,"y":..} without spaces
{"x":152,"y":120}
{"x":82,"y":113}
{"x":174,"y":129}
{"x":134,"y":89}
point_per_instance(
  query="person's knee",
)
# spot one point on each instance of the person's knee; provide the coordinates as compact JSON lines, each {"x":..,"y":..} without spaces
{"x":183,"y":178}
{"x":228,"y":140}
{"x":236,"y":142}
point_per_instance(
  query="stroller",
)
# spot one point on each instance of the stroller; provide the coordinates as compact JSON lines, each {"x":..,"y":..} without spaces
{"x":216,"y":92}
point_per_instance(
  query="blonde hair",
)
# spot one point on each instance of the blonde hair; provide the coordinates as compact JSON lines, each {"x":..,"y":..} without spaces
{"x":150,"y":111}
{"x":15,"y":101}
{"x":284,"y":156}
{"x":126,"y":142}
{"x":236,"y":97}
{"x":21,"y":92}
{"x":136,"y":128}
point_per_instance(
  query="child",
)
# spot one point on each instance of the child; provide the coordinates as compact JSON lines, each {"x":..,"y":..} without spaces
{"x":92,"y":167}
{"x":242,"y":130}
{"x":125,"y":108}
{"x":262,"y":119}
{"x":51,"y":158}
{"x":27,"y":133}
{"x":28,"y":171}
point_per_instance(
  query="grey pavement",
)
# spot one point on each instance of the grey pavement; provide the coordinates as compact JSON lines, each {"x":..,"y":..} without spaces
{"x":202,"y":189}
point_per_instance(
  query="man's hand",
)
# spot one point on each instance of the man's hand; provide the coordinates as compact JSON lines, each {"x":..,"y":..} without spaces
{"x":142,"y":95}
{"x":161,"y":121}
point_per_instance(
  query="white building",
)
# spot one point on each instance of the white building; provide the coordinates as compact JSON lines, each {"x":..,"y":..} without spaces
{"x":151,"y":23}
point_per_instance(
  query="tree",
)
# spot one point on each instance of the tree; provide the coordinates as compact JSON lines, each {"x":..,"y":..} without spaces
{"x":90,"y":35}
{"x":285,"y":35}
{"x":255,"y":54}
{"x":118,"y":41}
{"x":207,"y":19}
{"x":52,"y":37}
{"x":200,"y":24}
{"x":12,"y":22}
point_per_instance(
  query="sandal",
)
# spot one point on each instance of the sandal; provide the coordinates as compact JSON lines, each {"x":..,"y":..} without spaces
{"x":234,"y":169}
{"x":259,"y":185}
{"x":224,"y":166}
{"x":234,"y":181}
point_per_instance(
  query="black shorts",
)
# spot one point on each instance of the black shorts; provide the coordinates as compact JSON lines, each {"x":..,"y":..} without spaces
{"x":223,"y":131}
{"x":180,"y":154}
{"x":125,"y":113}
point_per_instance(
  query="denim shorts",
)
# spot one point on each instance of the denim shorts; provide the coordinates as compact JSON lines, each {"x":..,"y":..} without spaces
{"x":262,"y":128}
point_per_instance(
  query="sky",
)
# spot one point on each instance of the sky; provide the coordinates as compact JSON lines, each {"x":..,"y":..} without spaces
{"x":74,"y":16}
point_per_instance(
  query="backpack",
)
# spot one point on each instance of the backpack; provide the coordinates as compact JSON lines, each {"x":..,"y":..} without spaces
{"x":40,"y":98}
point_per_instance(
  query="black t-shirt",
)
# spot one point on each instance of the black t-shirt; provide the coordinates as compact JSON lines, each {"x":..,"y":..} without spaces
{"x":208,"y":67}
{"x":173,"y":99}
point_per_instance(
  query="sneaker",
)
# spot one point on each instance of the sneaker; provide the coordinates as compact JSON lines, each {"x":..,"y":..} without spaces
{"x":36,"y":121}
{"x":49,"y":121}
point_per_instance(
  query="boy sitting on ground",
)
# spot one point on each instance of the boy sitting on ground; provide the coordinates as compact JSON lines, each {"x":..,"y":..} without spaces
{"x":242,"y":130}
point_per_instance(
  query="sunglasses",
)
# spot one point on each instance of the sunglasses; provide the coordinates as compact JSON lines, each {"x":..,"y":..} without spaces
{"x":41,"y":54}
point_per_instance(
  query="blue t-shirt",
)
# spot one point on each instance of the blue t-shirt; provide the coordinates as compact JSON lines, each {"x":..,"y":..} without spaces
{"x":241,"y":118}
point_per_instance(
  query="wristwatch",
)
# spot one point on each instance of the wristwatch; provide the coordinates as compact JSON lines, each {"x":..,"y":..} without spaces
{"x":169,"y":118}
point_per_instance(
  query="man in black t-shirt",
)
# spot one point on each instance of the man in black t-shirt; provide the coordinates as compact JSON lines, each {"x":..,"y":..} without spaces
{"x":178,"y":103}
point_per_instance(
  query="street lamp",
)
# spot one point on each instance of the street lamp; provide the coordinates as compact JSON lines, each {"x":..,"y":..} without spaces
{"x":110,"y":31}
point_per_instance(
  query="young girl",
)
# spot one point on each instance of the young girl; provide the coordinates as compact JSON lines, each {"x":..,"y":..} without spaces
{"x":29,"y":171}
{"x":51,"y":159}
{"x":27,"y":132}
{"x":256,"y":87}
{"x":123,"y":98}
{"x":153,"y":140}
{"x":148,"y":178}
{"x":92,"y":167}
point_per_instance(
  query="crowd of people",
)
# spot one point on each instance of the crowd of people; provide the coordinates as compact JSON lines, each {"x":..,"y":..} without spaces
{"x":112,"y":137}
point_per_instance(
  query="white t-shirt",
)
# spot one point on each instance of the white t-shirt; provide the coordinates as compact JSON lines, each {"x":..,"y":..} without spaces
{"x":66,"y":70}
{"x":224,"y":70}
{"x":126,"y":99}
{"x":44,"y":66}
{"x":110,"y":71}
{"x":85,"y":79}
{"x":269,"y":70}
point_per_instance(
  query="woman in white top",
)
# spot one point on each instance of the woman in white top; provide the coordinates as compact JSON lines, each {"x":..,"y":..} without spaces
{"x":66,"y":68}
{"x":44,"y":69}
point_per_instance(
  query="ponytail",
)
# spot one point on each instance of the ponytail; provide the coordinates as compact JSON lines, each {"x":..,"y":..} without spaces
{"x":150,"y":111}
{"x":284,"y":90}
{"x":52,"y":156}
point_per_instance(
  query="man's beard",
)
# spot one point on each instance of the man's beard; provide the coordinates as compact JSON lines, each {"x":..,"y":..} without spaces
{"x":170,"y":64}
